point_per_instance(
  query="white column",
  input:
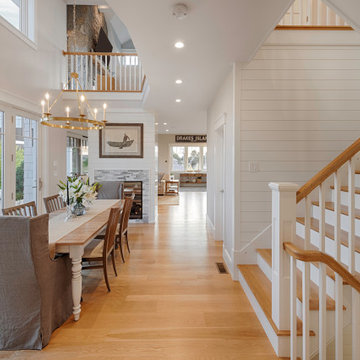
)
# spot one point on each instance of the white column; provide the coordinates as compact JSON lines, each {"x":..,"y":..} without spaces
{"x":283,"y":230}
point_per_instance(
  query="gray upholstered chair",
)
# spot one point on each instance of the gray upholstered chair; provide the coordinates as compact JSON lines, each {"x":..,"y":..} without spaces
{"x":110,"y":190}
{"x":35,"y":295}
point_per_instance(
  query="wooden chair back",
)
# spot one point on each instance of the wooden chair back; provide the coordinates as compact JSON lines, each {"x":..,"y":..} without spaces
{"x":109,"y":240}
{"x":54,"y":203}
{"x":127,"y":210}
{"x":27,"y":209}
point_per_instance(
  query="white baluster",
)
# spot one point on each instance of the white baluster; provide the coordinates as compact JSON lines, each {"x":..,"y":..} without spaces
{"x":308,"y":13}
{"x":301,"y":6}
{"x":327,"y":23}
{"x":306,"y":284}
{"x":338,"y":279}
{"x":125,"y":73}
{"x":319,"y":7}
{"x":121,"y":72}
{"x":91,"y":59}
{"x":86,"y":82}
{"x":72,"y":70}
{"x":82,"y":80}
{"x":351,"y":239}
{"x":292,"y":15}
{"x":106,"y":73}
{"x":67,"y":71}
{"x":293,"y":314}
{"x":115,"y":60}
{"x":322,"y":278}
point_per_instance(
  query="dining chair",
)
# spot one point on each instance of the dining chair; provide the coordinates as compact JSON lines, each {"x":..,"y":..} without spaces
{"x":99,"y":250}
{"x":54,"y":203}
{"x":122,"y":230}
{"x":27,"y":209}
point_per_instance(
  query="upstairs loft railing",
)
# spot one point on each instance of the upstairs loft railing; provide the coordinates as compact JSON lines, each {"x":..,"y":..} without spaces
{"x":312,"y":15}
{"x":105,"y":72}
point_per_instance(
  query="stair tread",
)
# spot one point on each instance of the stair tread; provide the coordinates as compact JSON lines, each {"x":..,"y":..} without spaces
{"x":260,"y":286}
{"x":346,"y":189}
{"x":330,"y":232}
{"x":314,"y":293}
{"x":329,"y":205}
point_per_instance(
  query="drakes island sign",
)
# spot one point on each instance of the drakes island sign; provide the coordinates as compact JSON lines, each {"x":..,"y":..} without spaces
{"x":191,"y":138}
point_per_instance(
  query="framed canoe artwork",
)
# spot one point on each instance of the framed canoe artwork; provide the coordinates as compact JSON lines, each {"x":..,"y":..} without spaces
{"x":121,"y":141}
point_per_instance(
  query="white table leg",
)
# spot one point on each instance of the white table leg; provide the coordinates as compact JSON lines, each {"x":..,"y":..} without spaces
{"x":76,"y":253}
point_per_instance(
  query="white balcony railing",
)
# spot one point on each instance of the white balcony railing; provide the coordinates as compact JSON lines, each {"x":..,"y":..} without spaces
{"x":105,"y":72}
{"x":312,"y":13}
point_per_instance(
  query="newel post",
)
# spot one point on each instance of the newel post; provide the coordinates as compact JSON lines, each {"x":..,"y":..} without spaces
{"x":283,"y":230}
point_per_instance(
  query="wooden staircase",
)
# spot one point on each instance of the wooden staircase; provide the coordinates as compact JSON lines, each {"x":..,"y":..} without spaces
{"x":299,"y":295}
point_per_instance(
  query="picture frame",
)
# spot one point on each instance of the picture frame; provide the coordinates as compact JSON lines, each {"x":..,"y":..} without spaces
{"x":121,"y":140}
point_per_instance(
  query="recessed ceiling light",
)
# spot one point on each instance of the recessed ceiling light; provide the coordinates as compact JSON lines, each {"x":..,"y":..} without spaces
{"x":165,"y":123}
{"x":167,"y":130}
{"x":178,"y":81}
{"x":178,"y":100}
{"x":156,"y":123}
{"x":179,"y":45}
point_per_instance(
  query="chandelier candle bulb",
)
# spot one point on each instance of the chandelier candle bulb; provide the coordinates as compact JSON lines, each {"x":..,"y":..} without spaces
{"x":47,"y":97}
{"x":43,"y":107}
{"x":104,"y":106}
{"x":67,"y":111}
{"x":95,"y":113}
{"x":82,"y":100}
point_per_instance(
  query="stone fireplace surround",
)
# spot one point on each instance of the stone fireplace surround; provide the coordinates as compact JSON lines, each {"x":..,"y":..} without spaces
{"x":129,"y":175}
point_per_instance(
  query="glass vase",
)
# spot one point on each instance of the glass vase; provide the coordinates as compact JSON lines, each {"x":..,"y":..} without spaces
{"x":79,"y":209}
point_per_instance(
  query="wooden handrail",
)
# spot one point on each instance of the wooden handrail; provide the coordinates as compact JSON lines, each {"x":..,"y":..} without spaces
{"x":313,"y":27}
{"x":98,"y":53}
{"x":328,"y":170}
{"x":318,"y":256}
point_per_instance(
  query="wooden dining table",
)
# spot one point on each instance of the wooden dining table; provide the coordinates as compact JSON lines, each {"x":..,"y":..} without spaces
{"x":72,"y":235}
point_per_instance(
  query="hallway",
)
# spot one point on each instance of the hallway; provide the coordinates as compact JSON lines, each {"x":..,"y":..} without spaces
{"x":168,"y":302}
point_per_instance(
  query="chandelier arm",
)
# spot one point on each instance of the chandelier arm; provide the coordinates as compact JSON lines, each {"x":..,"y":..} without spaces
{"x":58,"y":97}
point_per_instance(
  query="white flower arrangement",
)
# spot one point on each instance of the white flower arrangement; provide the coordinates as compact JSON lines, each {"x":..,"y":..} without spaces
{"x":77,"y":191}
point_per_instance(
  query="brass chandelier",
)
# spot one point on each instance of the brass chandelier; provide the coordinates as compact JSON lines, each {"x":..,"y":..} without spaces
{"x":86,"y":118}
{"x":80,"y":122}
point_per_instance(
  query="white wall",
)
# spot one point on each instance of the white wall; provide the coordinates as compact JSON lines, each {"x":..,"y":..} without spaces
{"x":26,"y":73}
{"x":223,"y":104}
{"x":296,"y":107}
{"x":146,"y":163}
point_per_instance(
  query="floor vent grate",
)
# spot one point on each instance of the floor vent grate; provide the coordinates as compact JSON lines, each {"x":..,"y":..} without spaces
{"x":221,"y":268}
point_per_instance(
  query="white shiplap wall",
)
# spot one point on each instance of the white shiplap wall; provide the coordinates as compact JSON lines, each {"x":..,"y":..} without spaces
{"x":300,"y":107}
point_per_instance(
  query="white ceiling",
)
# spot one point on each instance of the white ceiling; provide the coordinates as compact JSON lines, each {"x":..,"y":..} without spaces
{"x":216,"y":33}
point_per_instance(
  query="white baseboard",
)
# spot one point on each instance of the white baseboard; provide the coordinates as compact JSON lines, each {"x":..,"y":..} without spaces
{"x":229,"y":263}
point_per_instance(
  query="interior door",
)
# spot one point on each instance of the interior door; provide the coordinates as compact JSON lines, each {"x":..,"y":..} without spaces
{"x":220,"y":184}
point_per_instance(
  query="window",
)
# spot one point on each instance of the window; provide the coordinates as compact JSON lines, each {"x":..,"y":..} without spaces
{"x":188,"y":158}
{"x":20,"y":14}
{"x":76,"y":156}
{"x":1,"y":157}
{"x":26,"y":160}
{"x":178,"y":158}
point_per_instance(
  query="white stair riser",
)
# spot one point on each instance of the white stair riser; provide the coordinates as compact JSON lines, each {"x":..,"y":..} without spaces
{"x":329,"y":245}
{"x":330,"y":219}
{"x":345,"y":198}
{"x":264,"y":266}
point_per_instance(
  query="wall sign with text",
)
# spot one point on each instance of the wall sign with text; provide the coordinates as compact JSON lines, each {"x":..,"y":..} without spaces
{"x":191,"y":138}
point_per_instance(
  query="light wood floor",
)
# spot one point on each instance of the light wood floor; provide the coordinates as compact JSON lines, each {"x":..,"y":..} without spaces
{"x":168,"y":302}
